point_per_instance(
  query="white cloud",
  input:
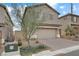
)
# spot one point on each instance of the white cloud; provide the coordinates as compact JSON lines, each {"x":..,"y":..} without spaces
{"x":64,"y":12}
{"x":52,"y":4}
{"x":9,"y":9}
{"x":25,"y":5}
{"x":74,"y":8}
{"x":61,"y":7}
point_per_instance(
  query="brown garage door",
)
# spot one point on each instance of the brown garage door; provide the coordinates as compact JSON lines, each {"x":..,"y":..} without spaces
{"x":46,"y":33}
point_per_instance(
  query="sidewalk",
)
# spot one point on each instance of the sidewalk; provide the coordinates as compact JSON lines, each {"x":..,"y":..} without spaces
{"x":60,"y":51}
{"x":16,"y":53}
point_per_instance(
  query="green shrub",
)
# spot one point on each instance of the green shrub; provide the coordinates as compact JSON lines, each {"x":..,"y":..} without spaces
{"x":41,"y":46}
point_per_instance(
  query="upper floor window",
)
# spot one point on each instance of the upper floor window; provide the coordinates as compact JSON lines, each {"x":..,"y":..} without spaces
{"x":47,"y":16}
{"x":74,"y":19}
{"x":65,"y":18}
{"x":50,"y":16}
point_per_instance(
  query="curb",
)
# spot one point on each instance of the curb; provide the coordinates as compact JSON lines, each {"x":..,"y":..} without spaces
{"x":57,"y":52}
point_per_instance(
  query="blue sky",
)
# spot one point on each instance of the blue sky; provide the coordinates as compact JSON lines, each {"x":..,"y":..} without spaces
{"x":65,"y":8}
{"x":62,"y":8}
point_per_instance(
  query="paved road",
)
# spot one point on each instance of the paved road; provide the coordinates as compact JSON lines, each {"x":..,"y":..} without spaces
{"x":57,"y":43}
{"x":74,"y":53}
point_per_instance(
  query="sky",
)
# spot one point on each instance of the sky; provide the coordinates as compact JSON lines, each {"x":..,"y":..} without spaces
{"x":62,"y":8}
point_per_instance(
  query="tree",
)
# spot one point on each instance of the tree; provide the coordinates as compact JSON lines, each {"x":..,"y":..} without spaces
{"x":29,"y":23}
{"x":69,"y":31}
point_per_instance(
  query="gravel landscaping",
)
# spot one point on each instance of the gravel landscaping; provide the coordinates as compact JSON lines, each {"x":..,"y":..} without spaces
{"x":28,"y":52}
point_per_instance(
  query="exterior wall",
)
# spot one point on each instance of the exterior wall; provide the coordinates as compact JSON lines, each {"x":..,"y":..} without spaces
{"x":65,"y":21}
{"x":2,"y":17}
{"x":76,"y":26}
{"x":77,"y":20}
{"x":48,"y":15}
{"x":19,"y":36}
{"x":4,"y":33}
{"x":7,"y":29}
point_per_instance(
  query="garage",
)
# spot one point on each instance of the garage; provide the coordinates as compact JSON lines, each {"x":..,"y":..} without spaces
{"x":46,"y":33}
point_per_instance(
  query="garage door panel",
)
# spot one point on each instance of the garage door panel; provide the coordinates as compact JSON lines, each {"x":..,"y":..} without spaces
{"x":46,"y":33}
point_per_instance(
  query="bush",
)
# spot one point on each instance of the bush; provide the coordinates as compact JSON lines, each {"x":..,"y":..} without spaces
{"x":41,"y":46}
{"x":25,"y":51}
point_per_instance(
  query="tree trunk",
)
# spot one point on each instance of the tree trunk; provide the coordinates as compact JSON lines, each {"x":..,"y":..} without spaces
{"x":28,"y":41}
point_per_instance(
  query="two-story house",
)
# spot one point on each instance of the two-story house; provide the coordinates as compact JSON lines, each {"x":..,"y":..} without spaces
{"x":6,"y":27}
{"x":49,"y":28}
{"x":69,"y":20}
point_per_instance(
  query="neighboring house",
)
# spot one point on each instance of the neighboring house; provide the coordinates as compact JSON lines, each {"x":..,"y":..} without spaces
{"x":69,"y":20}
{"x":6,"y":27}
{"x":50,"y":27}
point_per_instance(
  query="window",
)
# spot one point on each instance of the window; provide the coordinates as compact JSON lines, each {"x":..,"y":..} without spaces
{"x":47,"y":16}
{"x":65,"y":18}
{"x":74,"y":19}
{"x":50,"y":16}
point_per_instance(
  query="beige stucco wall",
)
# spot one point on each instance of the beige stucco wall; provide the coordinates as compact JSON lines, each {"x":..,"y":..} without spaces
{"x":46,"y":10}
{"x":65,"y":21}
{"x":7,"y":28}
{"x":2,"y":17}
{"x":19,"y":36}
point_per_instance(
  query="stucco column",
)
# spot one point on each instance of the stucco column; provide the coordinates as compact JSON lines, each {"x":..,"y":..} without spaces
{"x":58,"y":33}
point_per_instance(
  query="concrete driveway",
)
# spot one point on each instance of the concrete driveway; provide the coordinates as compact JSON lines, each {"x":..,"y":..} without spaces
{"x":58,"y":43}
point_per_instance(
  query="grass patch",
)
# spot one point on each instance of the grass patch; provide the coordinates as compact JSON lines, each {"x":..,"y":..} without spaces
{"x":27,"y":52}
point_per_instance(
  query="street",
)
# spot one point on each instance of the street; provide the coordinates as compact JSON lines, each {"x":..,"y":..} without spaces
{"x":74,"y":53}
